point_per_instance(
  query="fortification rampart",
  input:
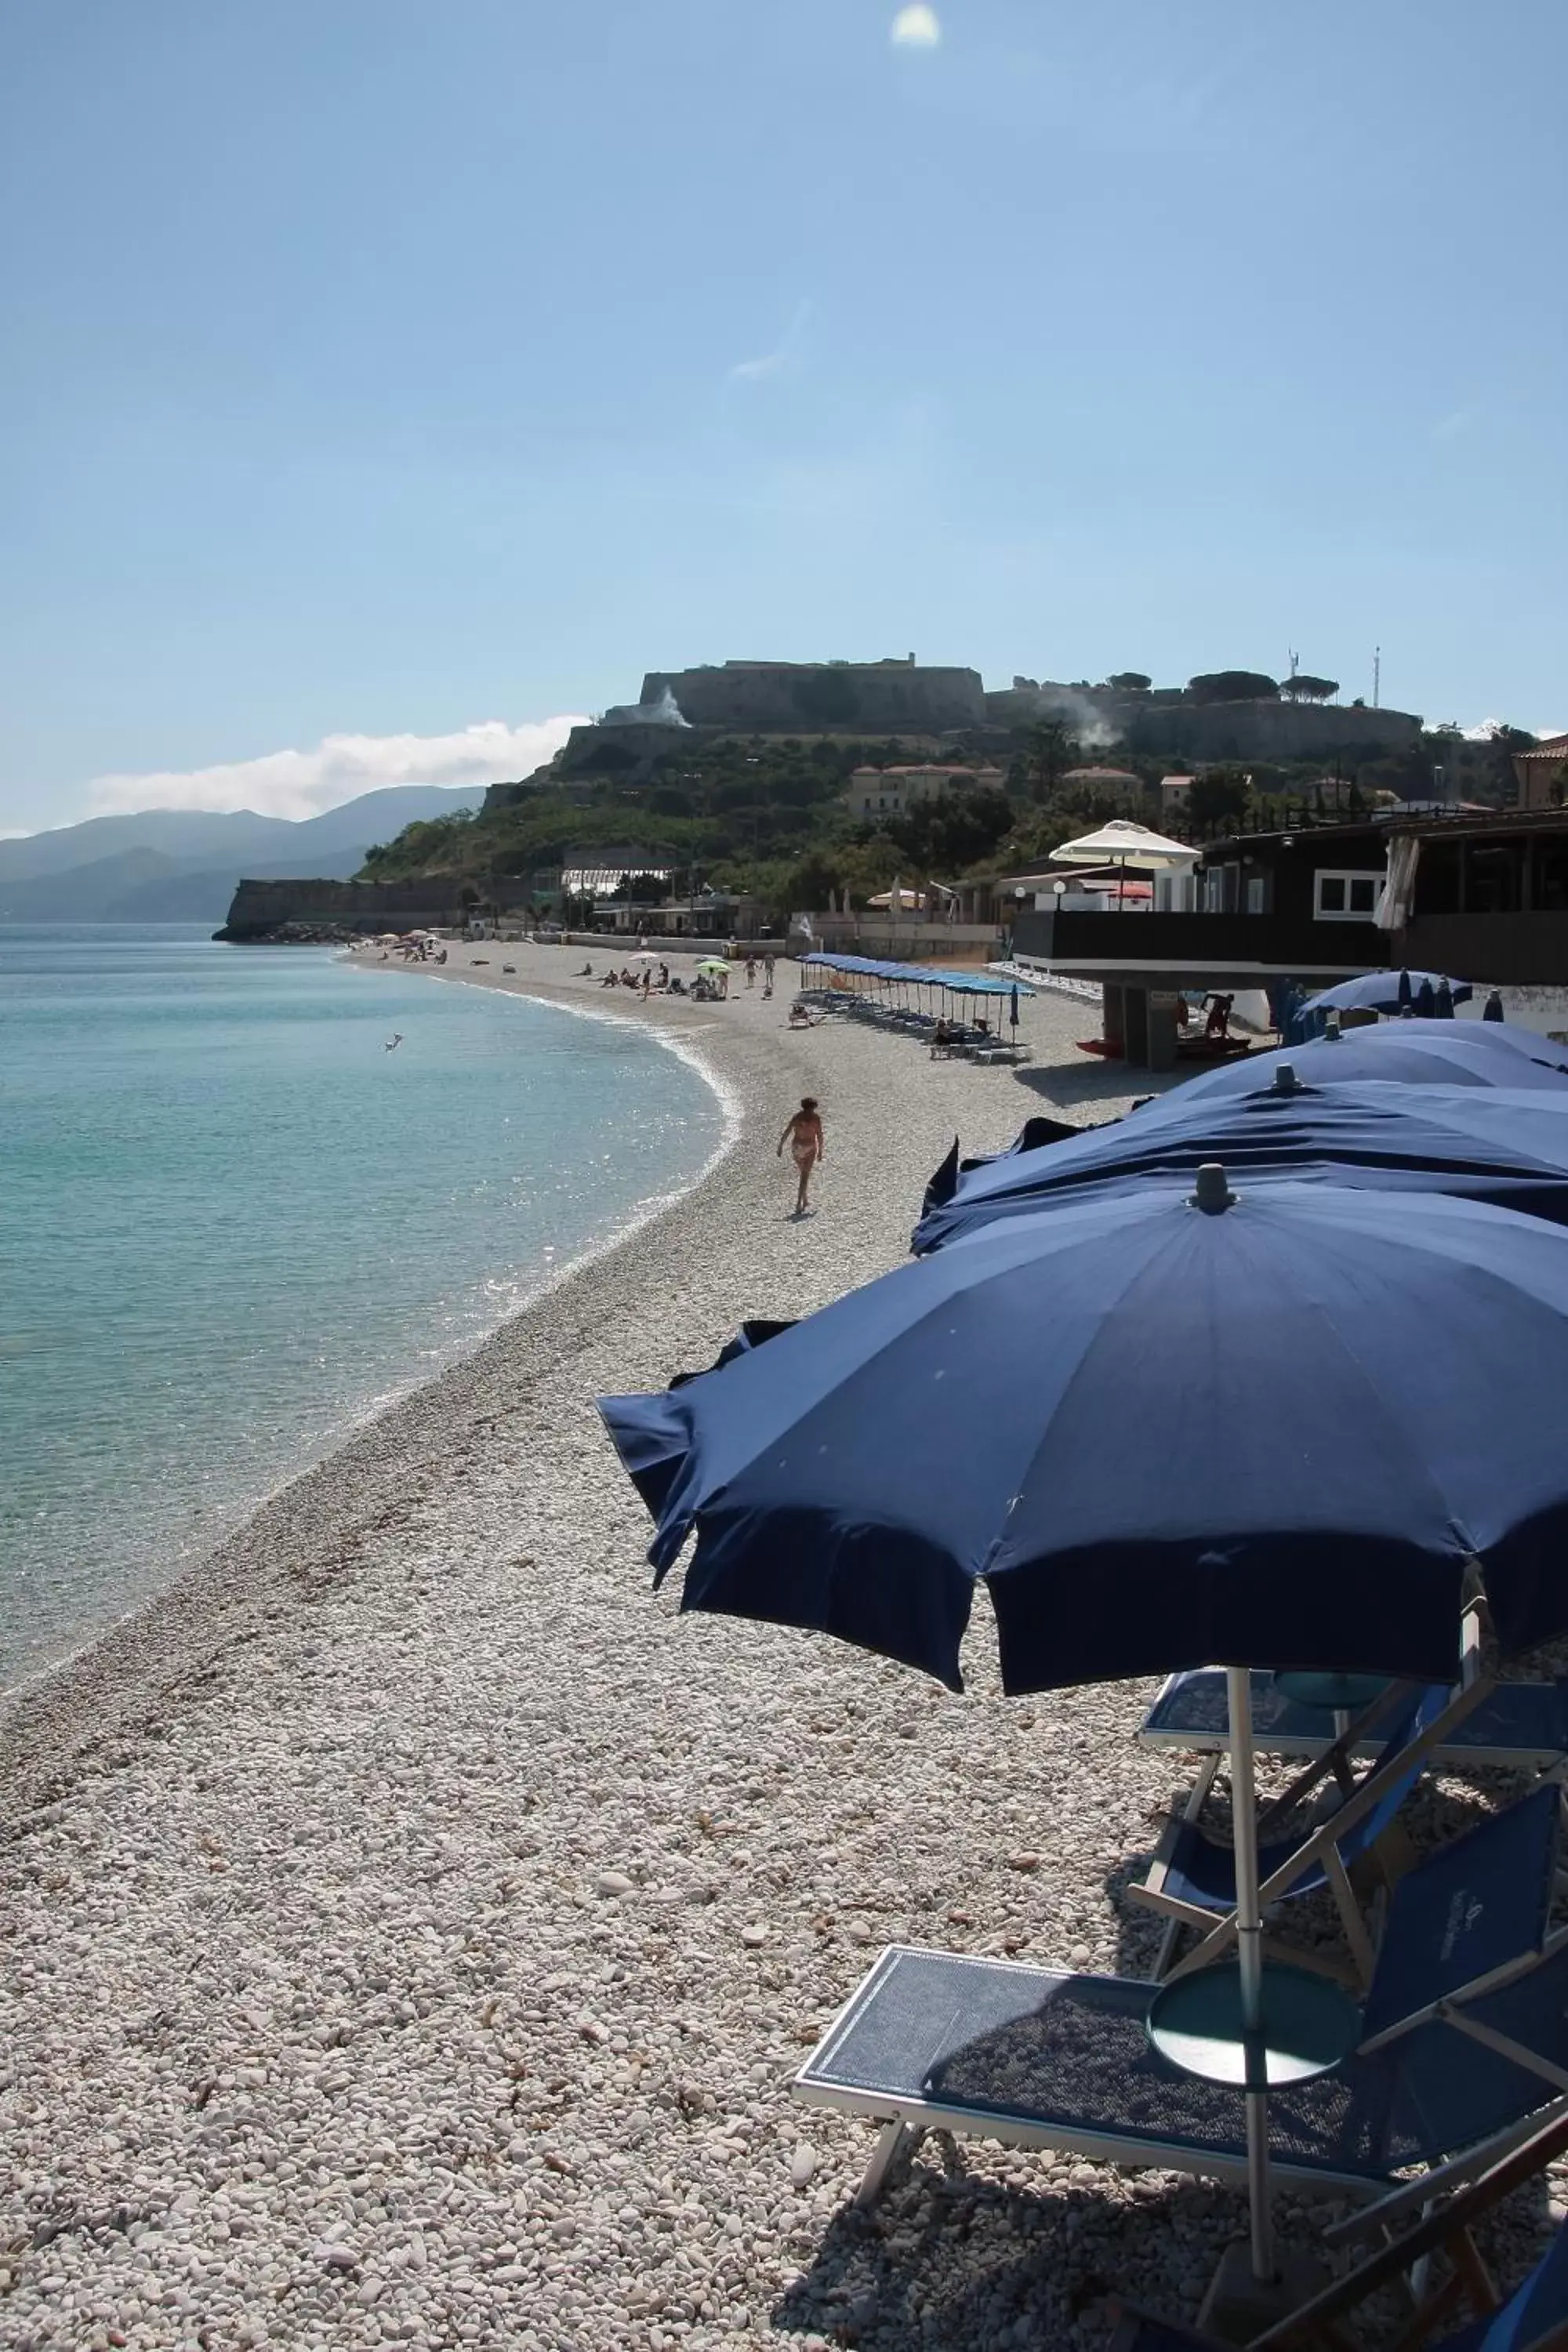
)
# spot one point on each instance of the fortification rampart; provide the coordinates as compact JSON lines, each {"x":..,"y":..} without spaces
{"x":815,"y":697}
{"x":1211,"y":730}
{"x":627,"y":747}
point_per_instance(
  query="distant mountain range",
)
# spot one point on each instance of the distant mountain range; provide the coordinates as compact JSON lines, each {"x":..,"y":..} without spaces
{"x":182,"y":865}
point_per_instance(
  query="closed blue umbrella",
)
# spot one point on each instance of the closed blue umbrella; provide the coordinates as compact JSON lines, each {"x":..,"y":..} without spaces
{"x":1508,"y":1146}
{"x":1492,"y":1009}
{"x":1426,"y":1000}
{"x":1408,"y":1053}
{"x":1444,"y":1004}
{"x":983,"y":1416}
{"x":1381,"y":991}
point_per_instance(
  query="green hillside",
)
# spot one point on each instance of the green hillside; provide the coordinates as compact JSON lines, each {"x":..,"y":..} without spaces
{"x":761,"y":815}
{"x":765,"y":816}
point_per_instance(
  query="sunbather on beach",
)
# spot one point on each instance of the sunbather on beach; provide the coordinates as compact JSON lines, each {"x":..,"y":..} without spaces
{"x":804,"y":1134}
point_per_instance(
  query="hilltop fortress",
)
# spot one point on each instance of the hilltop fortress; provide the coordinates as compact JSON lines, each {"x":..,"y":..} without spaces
{"x":770,"y":698}
{"x":904,"y":698}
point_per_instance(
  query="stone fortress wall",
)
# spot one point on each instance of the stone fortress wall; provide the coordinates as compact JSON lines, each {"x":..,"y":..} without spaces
{"x":1163,"y":722}
{"x":815,"y":697}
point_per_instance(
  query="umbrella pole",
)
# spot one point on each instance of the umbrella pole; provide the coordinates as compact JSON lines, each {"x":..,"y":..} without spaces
{"x":1250,"y":1952}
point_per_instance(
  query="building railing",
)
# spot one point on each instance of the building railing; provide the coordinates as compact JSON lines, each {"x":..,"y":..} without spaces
{"x":1141,"y":941}
{"x":1306,"y":817}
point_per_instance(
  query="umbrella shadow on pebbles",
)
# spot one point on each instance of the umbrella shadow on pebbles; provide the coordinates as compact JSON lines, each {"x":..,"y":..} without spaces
{"x":1095,"y":1081}
{"x":958,"y":2260}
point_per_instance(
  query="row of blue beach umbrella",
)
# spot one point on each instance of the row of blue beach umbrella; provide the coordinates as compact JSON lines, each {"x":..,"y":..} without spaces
{"x":1352,"y":1250}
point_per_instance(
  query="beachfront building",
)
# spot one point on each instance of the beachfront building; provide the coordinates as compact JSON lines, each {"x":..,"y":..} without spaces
{"x":1542,"y":773}
{"x":1175,"y":792}
{"x":1482,"y":897}
{"x":705,"y":915}
{"x":873,"y":793}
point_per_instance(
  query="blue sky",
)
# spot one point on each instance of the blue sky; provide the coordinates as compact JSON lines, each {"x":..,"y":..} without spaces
{"x":379,"y":369}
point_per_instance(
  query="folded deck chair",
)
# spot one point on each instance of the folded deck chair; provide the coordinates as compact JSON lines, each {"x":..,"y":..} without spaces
{"x":1466,"y":2042}
{"x":1520,"y":1725}
{"x":1532,"y":2319}
{"x":1191,"y":1879}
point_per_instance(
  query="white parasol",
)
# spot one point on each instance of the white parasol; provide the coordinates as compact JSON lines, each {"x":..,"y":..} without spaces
{"x":1120,"y":841}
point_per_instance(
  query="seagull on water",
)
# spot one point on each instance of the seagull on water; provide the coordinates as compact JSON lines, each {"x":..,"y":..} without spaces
{"x":395,"y":1041}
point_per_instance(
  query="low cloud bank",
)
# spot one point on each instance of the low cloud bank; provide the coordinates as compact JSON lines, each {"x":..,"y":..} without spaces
{"x":339,"y":767}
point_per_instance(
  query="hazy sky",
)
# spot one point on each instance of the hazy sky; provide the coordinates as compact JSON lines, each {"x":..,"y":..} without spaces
{"x":389,"y":368}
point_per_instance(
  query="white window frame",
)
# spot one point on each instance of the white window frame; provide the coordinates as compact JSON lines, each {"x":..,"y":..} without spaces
{"x":1347,"y":913}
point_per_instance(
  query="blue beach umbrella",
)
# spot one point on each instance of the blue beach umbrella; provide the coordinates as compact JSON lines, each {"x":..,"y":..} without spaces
{"x":1406,"y":1053}
{"x":979,"y":1415}
{"x":985,"y":1416}
{"x":1508,"y":1146}
{"x":1383,"y":991}
{"x":944,"y":1179}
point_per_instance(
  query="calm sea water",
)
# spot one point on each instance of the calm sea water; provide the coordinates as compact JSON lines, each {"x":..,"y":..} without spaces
{"x":231,"y":1223}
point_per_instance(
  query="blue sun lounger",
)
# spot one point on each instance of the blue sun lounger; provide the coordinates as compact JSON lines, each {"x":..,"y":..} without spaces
{"x":1191,"y":1880}
{"x":1465,"y":2043}
{"x":1522,"y":1725}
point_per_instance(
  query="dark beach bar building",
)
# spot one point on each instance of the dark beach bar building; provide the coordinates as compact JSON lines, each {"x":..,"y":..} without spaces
{"x":1484,"y":898}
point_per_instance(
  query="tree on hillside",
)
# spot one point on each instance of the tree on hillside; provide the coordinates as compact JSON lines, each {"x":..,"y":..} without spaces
{"x":1222,"y":797}
{"x":1031,"y":841}
{"x":1303,"y":687}
{"x":1233,"y":686}
{"x":1130,"y":682}
{"x":1050,"y":749}
{"x":1503,"y":743}
{"x":943,"y":836}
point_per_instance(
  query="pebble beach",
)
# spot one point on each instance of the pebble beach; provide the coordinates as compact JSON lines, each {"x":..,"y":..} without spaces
{"x":411,"y":1924}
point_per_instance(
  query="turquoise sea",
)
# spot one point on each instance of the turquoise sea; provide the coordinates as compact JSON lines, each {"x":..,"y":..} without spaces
{"x":232,"y":1223}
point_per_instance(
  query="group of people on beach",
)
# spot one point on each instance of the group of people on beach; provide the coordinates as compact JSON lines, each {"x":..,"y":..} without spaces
{"x":643,"y":981}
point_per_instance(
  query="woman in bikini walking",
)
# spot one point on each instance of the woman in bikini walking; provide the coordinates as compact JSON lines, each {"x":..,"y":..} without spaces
{"x":803,"y":1136}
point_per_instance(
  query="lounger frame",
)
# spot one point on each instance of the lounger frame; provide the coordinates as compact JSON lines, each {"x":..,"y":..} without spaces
{"x":1217,"y":1929}
{"x":906,"y":2117}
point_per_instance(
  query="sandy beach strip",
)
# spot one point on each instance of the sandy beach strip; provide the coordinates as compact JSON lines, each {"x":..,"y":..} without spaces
{"x":411,"y":1924}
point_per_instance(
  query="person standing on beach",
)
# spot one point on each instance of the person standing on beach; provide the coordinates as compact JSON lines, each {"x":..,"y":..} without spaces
{"x":803,"y":1133}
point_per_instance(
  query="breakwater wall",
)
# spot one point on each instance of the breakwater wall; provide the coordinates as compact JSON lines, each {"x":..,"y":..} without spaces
{"x":261,"y":908}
